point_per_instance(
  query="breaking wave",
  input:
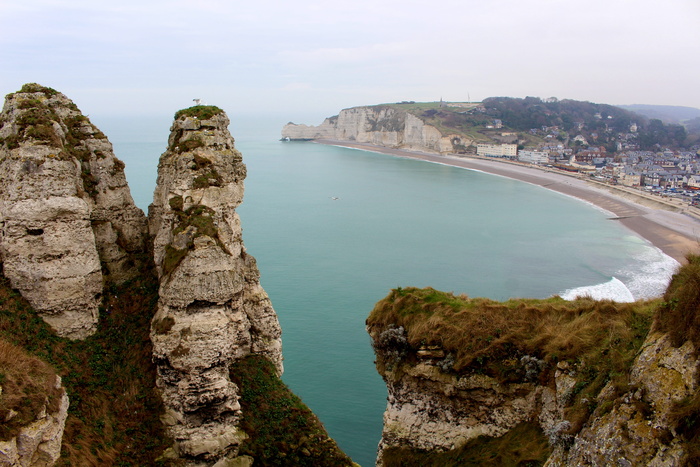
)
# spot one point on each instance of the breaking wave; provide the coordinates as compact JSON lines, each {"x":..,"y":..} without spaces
{"x":615,"y":290}
{"x":647,"y":276}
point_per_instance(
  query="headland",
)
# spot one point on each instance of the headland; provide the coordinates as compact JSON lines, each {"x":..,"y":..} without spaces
{"x":672,"y":228}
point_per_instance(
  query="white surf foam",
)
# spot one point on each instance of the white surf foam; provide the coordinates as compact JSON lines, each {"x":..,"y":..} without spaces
{"x":649,"y":275}
{"x":614,"y":289}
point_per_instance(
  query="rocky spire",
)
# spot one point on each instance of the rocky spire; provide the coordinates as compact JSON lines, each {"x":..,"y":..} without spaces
{"x":66,"y":214}
{"x":212,"y":310}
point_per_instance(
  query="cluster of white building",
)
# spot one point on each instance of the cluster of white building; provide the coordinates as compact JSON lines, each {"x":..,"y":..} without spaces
{"x":511,"y":151}
{"x":665,"y":170}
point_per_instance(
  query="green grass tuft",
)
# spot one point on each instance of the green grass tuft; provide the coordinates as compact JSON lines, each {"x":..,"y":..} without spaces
{"x":202,"y":112}
{"x":680,"y":313}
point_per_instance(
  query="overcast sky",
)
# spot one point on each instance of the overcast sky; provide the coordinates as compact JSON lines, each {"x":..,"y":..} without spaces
{"x":312,"y":58}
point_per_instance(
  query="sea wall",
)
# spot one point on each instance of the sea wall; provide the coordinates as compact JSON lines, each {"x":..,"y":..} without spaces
{"x":378,"y":125}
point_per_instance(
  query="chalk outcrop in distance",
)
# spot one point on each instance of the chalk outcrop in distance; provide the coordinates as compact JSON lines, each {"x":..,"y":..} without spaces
{"x":212,"y":310}
{"x":380,"y":125}
{"x":67,"y":218}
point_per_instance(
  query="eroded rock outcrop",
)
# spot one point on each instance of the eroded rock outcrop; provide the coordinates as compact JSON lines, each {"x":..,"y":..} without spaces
{"x":380,"y":125}
{"x":66,"y":214}
{"x":39,"y":442}
{"x":33,"y":410}
{"x":585,"y":375}
{"x":212,"y":310}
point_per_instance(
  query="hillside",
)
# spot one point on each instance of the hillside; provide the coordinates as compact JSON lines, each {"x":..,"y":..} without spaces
{"x":530,"y":122}
{"x":665,"y":113}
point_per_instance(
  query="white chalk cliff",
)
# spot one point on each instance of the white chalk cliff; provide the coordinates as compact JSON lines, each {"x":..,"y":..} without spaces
{"x":65,"y":210}
{"x":212,"y":310}
{"x":379,"y":125}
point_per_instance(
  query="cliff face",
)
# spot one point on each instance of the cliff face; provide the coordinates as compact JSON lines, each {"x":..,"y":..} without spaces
{"x":204,"y":332}
{"x":593,"y":394}
{"x":65,"y":210}
{"x":381,"y":126}
{"x":212,"y":311}
{"x":640,"y":426}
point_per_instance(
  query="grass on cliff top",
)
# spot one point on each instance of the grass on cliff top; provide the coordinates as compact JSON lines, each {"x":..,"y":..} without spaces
{"x":35,"y":87}
{"x":28,"y":385}
{"x":680,"y":313}
{"x":281,"y":428}
{"x":202,"y":112}
{"x":523,"y":446}
{"x":478,"y":332}
{"x":113,"y":418}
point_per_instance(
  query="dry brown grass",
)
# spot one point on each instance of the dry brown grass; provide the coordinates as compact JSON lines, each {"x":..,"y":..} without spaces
{"x":680,"y":313}
{"x":477,"y":331}
{"x":523,"y":446}
{"x":514,"y":341}
{"x":28,"y":386}
{"x":113,"y":418}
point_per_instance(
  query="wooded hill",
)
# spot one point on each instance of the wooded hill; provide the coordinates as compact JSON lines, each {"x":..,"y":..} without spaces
{"x":535,"y":119}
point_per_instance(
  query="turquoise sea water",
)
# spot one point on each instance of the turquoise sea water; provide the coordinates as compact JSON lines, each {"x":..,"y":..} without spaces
{"x":395,"y":222}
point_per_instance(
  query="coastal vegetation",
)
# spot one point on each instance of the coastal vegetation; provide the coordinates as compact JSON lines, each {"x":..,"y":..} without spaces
{"x":196,"y":221}
{"x":526,"y":340}
{"x":501,"y":333}
{"x":599,"y":124}
{"x":28,"y":387}
{"x":282,"y":430}
{"x":523,"y":446}
{"x":201,"y":112}
{"x":113,"y":417}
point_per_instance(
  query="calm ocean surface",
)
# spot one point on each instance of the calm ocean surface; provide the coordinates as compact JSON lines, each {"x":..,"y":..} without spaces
{"x":396,"y":222}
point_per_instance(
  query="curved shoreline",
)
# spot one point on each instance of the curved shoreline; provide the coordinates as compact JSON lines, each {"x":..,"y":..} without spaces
{"x":674,"y":233}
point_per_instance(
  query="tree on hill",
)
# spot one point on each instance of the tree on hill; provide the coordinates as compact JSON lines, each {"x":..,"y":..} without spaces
{"x":600,"y":122}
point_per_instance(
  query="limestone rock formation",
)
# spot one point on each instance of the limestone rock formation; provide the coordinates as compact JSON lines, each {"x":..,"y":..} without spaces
{"x":38,"y":443}
{"x":597,"y":388}
{"x":637,"y":430}
{"x":33,"y":409}
{"x":379,"y":125}
{"x":212,"y":310}
{"x":66,"y":214}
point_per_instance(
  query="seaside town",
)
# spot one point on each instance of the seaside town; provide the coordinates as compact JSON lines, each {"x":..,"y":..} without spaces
{"x":668,"y":173}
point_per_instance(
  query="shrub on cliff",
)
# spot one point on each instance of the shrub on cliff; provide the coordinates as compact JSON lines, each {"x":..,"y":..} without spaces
{"x":679,"y":315}
{"x":202,"y":112}
{"x":282,"y":429}
{"x":28,"y":386}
